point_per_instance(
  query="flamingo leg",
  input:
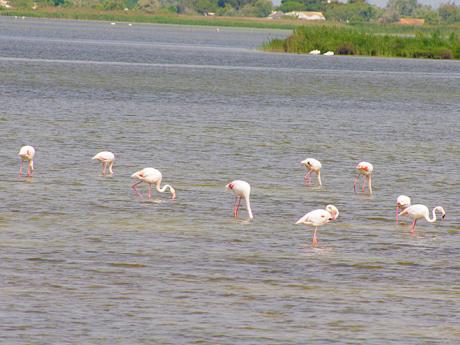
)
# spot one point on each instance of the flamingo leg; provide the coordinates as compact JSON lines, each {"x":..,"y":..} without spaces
{"x":29,"y":170}
{"x":356,"y":180}
{"x":307,"y":178}
{"x":237,"y":206}
{"x":314,"y":241}
{"x":150,"y":191}
{"x":104,"y":167}
{"x":135,"y":189}
{"x":364,"y":184}
{"x":20,"y":168}
{"x":412,"y":228}
{"x":397,"y":212}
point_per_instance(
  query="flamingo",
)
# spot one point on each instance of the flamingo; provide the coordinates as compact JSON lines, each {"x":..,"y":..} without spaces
{"x":241,"y":189}
{"x":421,"y":211}
{"x":365,"y":169}
{"x":315,"y":52}
{"x":106,"y":158}
{"x":329,"y":53}
{"x":151,"y":176}
{"x":27,"y":153}
{"x":402,"y":202}
{"x":318,"y":218}
{"x":312,"y":165}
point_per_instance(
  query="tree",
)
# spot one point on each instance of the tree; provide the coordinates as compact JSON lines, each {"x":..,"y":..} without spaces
{"x":308,"y":5}
{"x":449,"y":13}
{"x":357,"y":11}
{"x":403,"y":8}
{"x":260,"y":8}
{"x":426,"y":12}
{"x":290,"y":6}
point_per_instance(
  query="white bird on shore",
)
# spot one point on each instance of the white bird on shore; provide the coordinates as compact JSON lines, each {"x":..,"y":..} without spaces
{"x":106,"y":158}
{"x":27,"y":153}
{"x":365,"y":169}
{"x":421,"y":211}
{"x":315,"y":52}
{"x":329,"y":53}
{"x":318,"y":218}
{"x":241,"y":189}
{"x":312,"y":165}
{"x":152,"y":176}
{"x":402,"y":202}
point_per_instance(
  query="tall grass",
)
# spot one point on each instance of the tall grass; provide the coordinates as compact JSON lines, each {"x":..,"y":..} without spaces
{"x":349,"y":41}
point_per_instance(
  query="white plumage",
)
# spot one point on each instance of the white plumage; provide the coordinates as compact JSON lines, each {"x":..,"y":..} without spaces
{"x":27,"y":153}
{"x":419,"y":211}
{"x":106,"y":158}
{"x":242,"y":189}
{"x":402,"y":202}
{"x":318,"y":218}
{"x":152,"y":176}
{"x":365,"y":169}
{"x":312,"y":165}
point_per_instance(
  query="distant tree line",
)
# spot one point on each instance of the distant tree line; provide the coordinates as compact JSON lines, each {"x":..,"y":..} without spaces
{"x":351,"y":11}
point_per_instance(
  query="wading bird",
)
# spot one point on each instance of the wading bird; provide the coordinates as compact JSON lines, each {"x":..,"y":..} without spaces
{"x":26,"y":153}
{"x":312,"y":165}
{"x":106,"y":158}
{"x":421,"y":211}
{"x":318,"y":218}
{"x":402,"y":202}
{"x":241,"y":189}
{"x":152,"y":176}
{"x":365,"y":169}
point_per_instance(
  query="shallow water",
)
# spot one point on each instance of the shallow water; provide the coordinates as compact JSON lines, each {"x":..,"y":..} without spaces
{"x":85,"y":261}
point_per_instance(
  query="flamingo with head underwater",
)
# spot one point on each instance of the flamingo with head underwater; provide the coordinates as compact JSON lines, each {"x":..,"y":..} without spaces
{"x":365,"y":169}
{"x":312,"y":165}
{"x":152,"y":176}
{"x":421,"y":211}
{"x":318,"y":218}
{"x":402,"y":202}
{"x":27,"y":153}
{"x":242,"y":189}
{"x":106,"y":158}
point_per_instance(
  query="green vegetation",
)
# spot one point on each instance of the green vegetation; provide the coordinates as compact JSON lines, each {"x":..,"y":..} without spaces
{"x":351,"y":41}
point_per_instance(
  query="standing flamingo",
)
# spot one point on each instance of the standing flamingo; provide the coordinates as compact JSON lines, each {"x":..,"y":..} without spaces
{"x":312,"y":165}
{"x":27,"y":153}
{"x":241,"y":189}
{"x":421,"y":211}
{"x":365,"y":169}
{"x":106,"y":158}
{"x":318,"y":218}
{"x":152,"y":176}
{"x":402,"y":202}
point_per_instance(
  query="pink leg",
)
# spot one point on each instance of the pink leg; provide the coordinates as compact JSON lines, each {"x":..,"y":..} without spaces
{"x":364,"y":183}
{"x":150,"y":191}
{"x":356,"y":180}
{"x":104,"y":166}
{"x":29,"y":171}
{"x":412,"y":229}
{"x":135,"y":189}
{"x":20,"y":168}
{"x":307,"y":178}
{"x":314,"y":242}
{"x":237,"y":206}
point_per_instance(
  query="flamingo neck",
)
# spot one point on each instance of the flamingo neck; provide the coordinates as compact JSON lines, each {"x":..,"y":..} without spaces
{"x":110,"y":168}
{"x":434,"y":216}
{"x":318,"y":174}
{"x":31,"y":164}
{"x":248,"y":206}
{"x":369,"y":183}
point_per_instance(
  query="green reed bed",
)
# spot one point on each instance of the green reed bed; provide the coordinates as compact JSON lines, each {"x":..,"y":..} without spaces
{"x":348,"y":41}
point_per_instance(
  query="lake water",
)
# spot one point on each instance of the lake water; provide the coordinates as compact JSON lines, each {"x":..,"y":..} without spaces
{"x":85,"y":261}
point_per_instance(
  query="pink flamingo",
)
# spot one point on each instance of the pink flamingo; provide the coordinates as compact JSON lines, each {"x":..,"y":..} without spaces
{"x":106,"y":158}
{"x":365,"y":169}
{"x":421,"y":211}
{"x":318,"y":218}
{"x":402,"y":202}
{"x":152,"y":176}
{"x":312,"y":165}
{"x":241,"y":189}
{"x":27,"y":153}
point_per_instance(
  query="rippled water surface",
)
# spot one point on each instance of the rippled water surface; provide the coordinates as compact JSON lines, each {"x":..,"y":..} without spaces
{"x":85,"y":261}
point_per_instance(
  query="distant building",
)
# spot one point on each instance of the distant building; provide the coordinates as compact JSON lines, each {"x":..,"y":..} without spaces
{"x":306,"y":15}
{"x":5,"y":4}
{"x":411,"y":21}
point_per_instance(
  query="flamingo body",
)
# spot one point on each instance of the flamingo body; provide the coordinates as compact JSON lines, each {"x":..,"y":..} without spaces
{"x":318,"y":218}
{"x":27,"y":153}
{"x":242,"y":189}
{"x":106,"y":158}
{"x":315,"y":52}
{"x":312,"y":165}
{"x":419,"y":211}
{"x":402,"y":202}
{"x":152,"y":176}
{"x":365,"y":169}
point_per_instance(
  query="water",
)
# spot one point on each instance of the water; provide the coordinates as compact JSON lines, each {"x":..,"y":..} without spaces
{"x":84,"y":261}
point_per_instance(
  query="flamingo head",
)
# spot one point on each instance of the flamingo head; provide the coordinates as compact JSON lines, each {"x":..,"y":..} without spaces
{"x":229,"y":186}
{"x":333,"y":211}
